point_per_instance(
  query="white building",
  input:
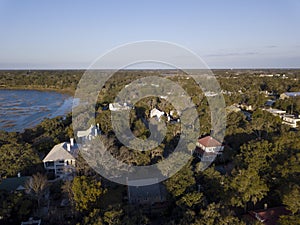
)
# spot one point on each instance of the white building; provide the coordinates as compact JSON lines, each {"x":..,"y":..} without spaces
{"x":118,"y":106}
{"x":276,"y":112}
{"x":89,"y":133}
{"x":61,"y":159}
{"x":290,"y":120}
{"x":156,"y":113}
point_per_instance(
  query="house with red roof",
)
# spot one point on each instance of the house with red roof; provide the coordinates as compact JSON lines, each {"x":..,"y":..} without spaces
{"x":267,"y":216}
{"x":208,"y":148}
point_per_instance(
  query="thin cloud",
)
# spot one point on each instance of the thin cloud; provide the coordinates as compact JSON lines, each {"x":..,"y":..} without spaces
{"x":272,"y":46}
{"x":232,"y":54}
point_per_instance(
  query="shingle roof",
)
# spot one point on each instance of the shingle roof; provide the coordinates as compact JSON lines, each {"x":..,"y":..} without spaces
{"x":13,"y":183}
{"x":209,"y":141}
{"x":59,"y":152}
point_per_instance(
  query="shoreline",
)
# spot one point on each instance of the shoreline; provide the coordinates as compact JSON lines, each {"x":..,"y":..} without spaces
{"x":62,"y":91}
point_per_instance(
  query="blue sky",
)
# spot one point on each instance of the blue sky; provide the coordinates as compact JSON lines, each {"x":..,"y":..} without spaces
{"x":225,"y":34}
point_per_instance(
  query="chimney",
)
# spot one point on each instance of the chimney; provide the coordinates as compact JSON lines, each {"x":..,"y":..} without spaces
{"x":19,"y":174}
{"x":69,"y":147}
{"x":72,"y":142}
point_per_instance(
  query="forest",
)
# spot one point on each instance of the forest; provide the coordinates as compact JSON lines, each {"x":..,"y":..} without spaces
{"x":260,"y":165}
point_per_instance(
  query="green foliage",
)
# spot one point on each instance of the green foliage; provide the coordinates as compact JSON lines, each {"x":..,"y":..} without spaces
{"x":214,"y":214}
{"x":289,"y":220}
{"x":113,"y":217}
{"x":94,"y":218}
{"x":85,"y":192}
{"x":14,"y":207}
{"x":17,"y":157}
{"x":191,"y":200}
{"x":292,"y":199}
{"x":246,"y":187}
{"x":180,"y":182}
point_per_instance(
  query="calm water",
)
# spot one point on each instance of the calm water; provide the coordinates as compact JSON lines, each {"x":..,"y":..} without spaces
{"x":20,"y":109}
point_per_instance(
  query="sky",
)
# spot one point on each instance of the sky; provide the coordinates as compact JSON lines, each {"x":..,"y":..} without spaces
{"x":71,"y":34}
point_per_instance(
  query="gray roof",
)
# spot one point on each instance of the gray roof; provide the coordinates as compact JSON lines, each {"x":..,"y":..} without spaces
{"x":292,"y":94}
{"x":141,"y":192}
{"x":14,"y":183}
{"x":60,"y":152}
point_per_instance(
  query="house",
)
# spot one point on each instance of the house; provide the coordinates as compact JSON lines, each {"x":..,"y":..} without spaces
{"x":291,"y":120}
{"x":276,"y":112}
{"x":60,"y":161}
{"x":289,"y":95}
{"x":208,"y":148}
{"x":267,"y":216}
{"x":89,"y":133}
{"x":14,"y":183}
{"x":156,"y":113}
{"x":145,"y":195}
{"x":118,"y":106}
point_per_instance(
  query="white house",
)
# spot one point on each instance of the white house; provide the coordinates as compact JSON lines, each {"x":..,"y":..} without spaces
{"x":61,"y":159}
{"x":290,"y":120}
{"x":208,"y":148}
{"x":276,"y":112}
{"x":289,"y":95}
{"x":89,"y":133}
{"x":118,"y":106}
{"x":156,"y":113}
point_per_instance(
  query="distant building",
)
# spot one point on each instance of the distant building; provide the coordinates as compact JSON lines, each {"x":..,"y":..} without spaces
{"x":208,"y":148}
{"x":141,"y":195}
{"x":289,"y":95}
{"x":60,"y":161}
{"x":276,"y":112}
{"x":291,"y":120}
{"x":89,"y":133}
{"x":14,"y":183}
{"x":156,"y":113}
{"x":118,"y":106}
{"x":266,"y":216}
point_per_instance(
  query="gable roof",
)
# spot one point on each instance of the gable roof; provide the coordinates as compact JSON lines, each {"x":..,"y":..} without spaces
{"x":14,"y":183}
{"x":59,"y":152}
{"x":209,"y":141}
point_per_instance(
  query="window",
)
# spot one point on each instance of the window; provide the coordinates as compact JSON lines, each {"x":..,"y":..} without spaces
{"x":49,"y":164}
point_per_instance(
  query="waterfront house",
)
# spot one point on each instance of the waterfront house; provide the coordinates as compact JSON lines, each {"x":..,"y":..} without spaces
{"x":60,"y":161}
